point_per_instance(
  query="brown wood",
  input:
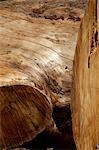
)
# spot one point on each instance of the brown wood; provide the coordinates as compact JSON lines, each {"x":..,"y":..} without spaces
{"x":22,"y":115}
{"x":85,"y":104}
{"x":35,"y":73}
{"x":37,"y":45}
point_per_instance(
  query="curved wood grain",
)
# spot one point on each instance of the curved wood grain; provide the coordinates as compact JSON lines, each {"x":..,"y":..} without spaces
{"x":24,"y":112}
{"x":35,"y":73}
{"x":36,"y":57}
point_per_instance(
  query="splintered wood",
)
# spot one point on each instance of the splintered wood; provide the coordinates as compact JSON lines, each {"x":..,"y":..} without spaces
{"x":85,"y":106}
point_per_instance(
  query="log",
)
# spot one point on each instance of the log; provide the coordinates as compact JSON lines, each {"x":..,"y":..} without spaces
{"x":22,"y":115}
{"x":37,"y":45}
{"x":85,"y":111}
{"x":35,"y":73}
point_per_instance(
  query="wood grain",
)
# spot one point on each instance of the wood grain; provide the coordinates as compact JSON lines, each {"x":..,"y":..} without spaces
{"x":35,"y":73}
{"x":85,"y":82}
{"x":37,"y":45}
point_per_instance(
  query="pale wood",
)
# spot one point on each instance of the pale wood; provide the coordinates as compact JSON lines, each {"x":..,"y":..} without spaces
{"x":36,"y":59}
{"x":85,"y":106}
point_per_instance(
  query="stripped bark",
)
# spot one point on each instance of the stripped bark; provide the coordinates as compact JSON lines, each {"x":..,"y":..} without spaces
{"x":85,"y":87}
{"x":36,"y":56}
{"x":34,"y":76}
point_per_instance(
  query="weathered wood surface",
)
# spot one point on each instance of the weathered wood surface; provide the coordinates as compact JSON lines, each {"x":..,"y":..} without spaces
{"x":36,"y":57}
{"x":85,"y":104}
{"x":35,"y":72}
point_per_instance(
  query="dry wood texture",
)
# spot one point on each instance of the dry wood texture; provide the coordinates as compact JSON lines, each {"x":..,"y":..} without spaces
{"x":86,"y":86}
{"x":37,"y":45}
{"x":35,"y":72}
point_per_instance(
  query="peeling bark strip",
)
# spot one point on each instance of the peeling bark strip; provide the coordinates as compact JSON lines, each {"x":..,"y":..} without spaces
{"x":85,"y":106}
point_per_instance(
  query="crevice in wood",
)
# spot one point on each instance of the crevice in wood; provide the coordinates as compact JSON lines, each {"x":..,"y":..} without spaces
{"x":89,"y":62}
{"x":94,"y":40}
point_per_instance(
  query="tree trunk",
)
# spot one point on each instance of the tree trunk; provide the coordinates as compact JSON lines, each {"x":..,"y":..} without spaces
{"x":37,"y":45}
{"x":85,"y":82}
{"x":35,"y":75}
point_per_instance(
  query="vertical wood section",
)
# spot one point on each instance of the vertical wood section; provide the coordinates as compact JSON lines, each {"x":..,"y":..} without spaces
{"x":95,"y":90}
{"x":85,"y":105}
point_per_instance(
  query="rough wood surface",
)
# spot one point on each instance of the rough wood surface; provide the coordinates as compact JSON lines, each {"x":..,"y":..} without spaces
{"x":85,"y":104}
{"x":31,"y":63}
{"x":36,"y":57}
